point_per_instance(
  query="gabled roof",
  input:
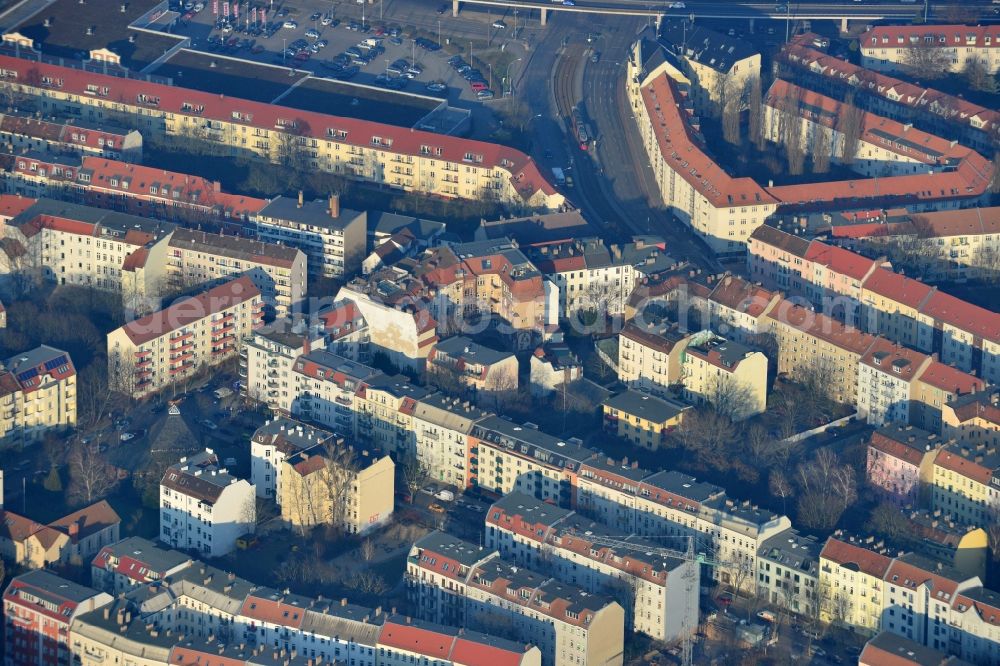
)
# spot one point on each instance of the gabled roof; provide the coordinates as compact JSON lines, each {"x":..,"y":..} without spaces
{"x":525,"y":174}
{"x":856,"y":556}
{"x":190,"y":310}
{"x":88,"y":520}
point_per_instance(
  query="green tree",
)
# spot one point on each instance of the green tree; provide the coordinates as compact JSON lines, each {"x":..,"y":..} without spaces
{"x":53,"y":482}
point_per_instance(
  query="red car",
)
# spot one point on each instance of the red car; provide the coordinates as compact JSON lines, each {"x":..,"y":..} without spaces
{"x":478,"y":85}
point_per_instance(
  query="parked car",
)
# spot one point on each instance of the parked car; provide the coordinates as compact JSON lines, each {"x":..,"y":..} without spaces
{"x":326,"y":20}
{"x":436,"y":86}
{"x":485,"y":94}
{"x":478,"y":86}
{"x":315,"y":16}
{"x":415,"y":69}
{"x":291,"y":25}
{"x":312,"y":34}
{"x":436,"y":508}
{"x":499,"y":25}
{"x":210,"y":424}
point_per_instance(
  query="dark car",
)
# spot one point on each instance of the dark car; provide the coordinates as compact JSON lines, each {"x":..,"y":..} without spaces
{"x":347,"y":73}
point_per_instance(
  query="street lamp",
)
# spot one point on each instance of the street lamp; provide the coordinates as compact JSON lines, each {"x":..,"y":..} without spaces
{"x":507,"y":78}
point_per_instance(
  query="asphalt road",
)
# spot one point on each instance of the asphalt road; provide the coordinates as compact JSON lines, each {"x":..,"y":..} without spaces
{"x":714,"y":8}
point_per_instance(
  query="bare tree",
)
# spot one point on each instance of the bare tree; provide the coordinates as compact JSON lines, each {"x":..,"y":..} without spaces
{"x":368,"y":549}
{"x":731,"y":399}
{"x":732,"y":99}
{"x":790,"y":125}
{"x":413,"y":471}
{"x":850,"y":124}
{"x":890,"y":522}
{"x":755,"y":113}
{"x":708,"y":435}
{"x":978,"y":76}
{"x":90,"y":475}
{"x":826,"y":489}
{"x":779,"y":486}
{"x":821,"y":148}
{"x":926,"y":60}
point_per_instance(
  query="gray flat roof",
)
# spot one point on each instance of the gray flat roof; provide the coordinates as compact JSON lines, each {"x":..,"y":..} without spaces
{"x":299,"y":435}
{"x":118,"y":224}
{"x":530,"y":509}
{"x":313,"y":213}
{"x":530,"y":441}
{"x":646,"y":406}
{"x":151,"y":554}
{"x":463,"y":552}
{"x":684,"y":485}
{"x":461,"y":347}
{"x":792,"y":550}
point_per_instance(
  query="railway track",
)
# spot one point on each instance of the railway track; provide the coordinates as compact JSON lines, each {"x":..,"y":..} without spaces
{"x":588,"y":194}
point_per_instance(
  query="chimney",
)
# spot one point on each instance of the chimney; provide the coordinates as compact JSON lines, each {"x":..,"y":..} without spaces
{"x":74,"y":530}
{"x":335,"y":205}
{"x":300,"y":199}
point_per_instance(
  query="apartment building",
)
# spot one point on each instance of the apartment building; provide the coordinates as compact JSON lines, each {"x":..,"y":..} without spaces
{"x":267,"y":357}
{"x":401,"y":158}
{"x":170,"y":345}
{"x":272,"y":444}
{"x":480,"y":368}
{"x":788,"y":572}
{"x":777,"y":259}
{"x":957,"y":244}
{"x":201,"y":258}
{"x":731,"y":377}
{"x":900,"y":463}
{"x":203,"y":507}
{"x":721,"y":209}
{"x":664,"y":589}
{"x":23,"y":132}
{"x":718,"y":66}
{"x":811,"y":345}
{"x":918,"y":599}
{"x":735,"y":308}
{"x":962,"y":334}
{"x":70,"y":540}
{"x":402,"y":329}
{"x":347,"y":332}
{"x":337,"y":484}
{"x":643,"y":419}
{"x":511,"y":456}
{"x":879,"y":93}
{"x":37,"y":395}
{"x":69,"y":243}
{"x":852,"y":575}
{"x":441,"y":428}
{"x":404,"y":641}
{"x":649,"y":355}
{"x":132,"y":562}
{"x":467,"y":286}
{"x":887,"y":647}
{"x":885,"y":376}
{"x":569,"y":625}
{"x":973,"y":418}
{"x":384,"y":412}
{"x":890,"y":48}
{"x":334,"y":239}
{"x":323,"y":391}
{"x":941,"y":538}
{"x":885,"y":148}
{"x":966,"y":483}
{"x":596,"y":278}
{"x":938,"y":386}
{"x":129,"y":188}
{"x":38,"y":610}
{"x":552,"y":366}
{"x":975,"y":634}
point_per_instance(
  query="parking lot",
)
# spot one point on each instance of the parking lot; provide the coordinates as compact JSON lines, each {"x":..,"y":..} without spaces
{"x":332,"y":43}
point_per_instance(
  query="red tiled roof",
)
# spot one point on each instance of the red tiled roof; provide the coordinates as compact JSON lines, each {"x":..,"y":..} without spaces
{"x":12,"y":205}
{"x":683,"y":150}
{"x":896,"y":449}
{"x":899,"y":36}
{"x":950,"y":458}
{"x":901,"y":289}
{"x":840,"y":260}
{"x":950,"y":379}
{"x":888,"y":353}
{"x":416,"y":639}
{"x":846,"y":554}
{"x":822,"y":326}
{"x":739,"y":294}
{"x":89,"y":520}
{"x":900,"y":572}
{"x":525,"y":174}
{"x":474,"y":653}
{"x":273,"y":612}
{"x":963,"y":315}
{"x":190,"y":310}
